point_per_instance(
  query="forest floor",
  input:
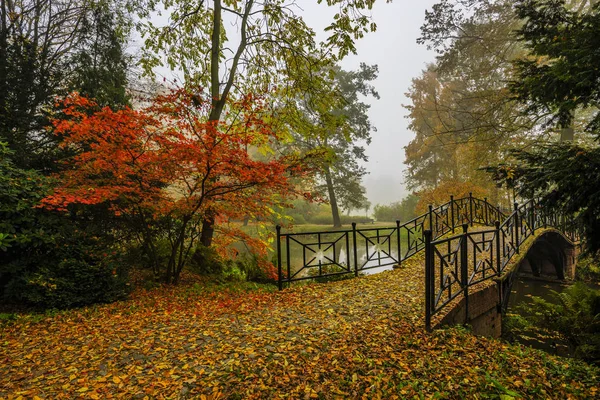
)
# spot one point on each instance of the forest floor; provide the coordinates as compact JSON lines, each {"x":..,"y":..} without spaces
{"x":358,"y":338}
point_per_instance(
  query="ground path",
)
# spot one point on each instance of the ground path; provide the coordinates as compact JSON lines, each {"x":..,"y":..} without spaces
{"x":359,"y":338}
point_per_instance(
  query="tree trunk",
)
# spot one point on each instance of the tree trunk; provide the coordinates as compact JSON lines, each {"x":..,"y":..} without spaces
{"x":335,"y":212}
{"x":208,"y":223}
{"x":219,"y":99}
{"x":208,"y":230}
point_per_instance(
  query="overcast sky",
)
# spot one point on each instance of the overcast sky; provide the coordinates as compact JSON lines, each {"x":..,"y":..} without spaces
{"x":394,"y":49}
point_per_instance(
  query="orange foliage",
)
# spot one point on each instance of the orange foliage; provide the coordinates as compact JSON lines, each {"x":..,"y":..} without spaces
{"x":441,"y":194}
{"x":168,"y":160}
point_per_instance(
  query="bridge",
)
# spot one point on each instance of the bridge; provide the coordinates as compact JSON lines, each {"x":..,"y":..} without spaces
{"x":473,"y":251}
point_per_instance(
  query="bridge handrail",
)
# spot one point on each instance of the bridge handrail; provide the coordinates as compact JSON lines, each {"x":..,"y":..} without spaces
{"x":453,"y":264}
{"x":409,"y":239}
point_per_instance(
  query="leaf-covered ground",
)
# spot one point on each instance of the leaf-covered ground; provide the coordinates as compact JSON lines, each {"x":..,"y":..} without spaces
{"x":359,"y":338}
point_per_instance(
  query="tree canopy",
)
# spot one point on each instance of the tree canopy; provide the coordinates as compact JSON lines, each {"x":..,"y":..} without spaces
{"x":559,"y":77}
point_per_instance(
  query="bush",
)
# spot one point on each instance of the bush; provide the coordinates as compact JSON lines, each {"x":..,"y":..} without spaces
{"x":588,"y":268}
{"x":250,"y":265}
{"x":399,"y":211}
{"x":74,"y":283}
{"x":359,"y":219}
{"x":327,"y":219}
{"x":136,"y":256}
{"x":298,"y":219}
{"x":206,"y":261}
{"x":245,"y":267}
{"x":50,"y":259}
{"x":321,"y":219}
{"x":575,"y":316}
{"x":73,"y":276}
{"x":441,"y":194}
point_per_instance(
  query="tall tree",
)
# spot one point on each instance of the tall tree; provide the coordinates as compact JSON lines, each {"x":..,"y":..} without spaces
{"x":461,"y":110}
{"x":100,"y":64}
{"x":269,"y":46}
{"x":41,"y":45}
{"x":339,"y":127}
{"x":345,"y":136}
{"x":560,"y":76}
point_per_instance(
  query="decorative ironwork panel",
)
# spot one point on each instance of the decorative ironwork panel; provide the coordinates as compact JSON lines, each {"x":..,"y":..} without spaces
{"x":379,"y":248}
{"x":442,"y":220}
{"x":462,"y":208}
{"x":480,"y":211}
{"x":316,"y":254}
{"x":447,"y":282}
{"x":508,"y":245}
{"x":526,"y":221}
{"x":411,"y":234}
{"x":482,"y":258}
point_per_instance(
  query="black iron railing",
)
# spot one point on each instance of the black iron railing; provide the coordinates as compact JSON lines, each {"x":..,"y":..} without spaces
{"x":454,"y":264}
{"x":310,"y":255}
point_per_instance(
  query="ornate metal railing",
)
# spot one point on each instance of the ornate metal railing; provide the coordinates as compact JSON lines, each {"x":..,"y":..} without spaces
{"x":454,"y":264}
{"x":313,"y":255}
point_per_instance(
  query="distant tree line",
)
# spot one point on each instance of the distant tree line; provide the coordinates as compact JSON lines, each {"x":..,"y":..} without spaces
{"x":398,"y":211}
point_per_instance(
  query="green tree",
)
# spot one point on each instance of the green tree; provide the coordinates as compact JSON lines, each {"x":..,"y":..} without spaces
{"x":99,"y":60}
{"x":341,"y":128}
{"x":269,"y":48}
{"x":560,"y":77}
{"x":462,"y":112}
{"x":47,"y":259}
{"x":399,"y":211}
{"x":46,"y":50}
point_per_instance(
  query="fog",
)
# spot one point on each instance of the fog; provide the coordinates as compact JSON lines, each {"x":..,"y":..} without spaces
{"x":394,"y":49}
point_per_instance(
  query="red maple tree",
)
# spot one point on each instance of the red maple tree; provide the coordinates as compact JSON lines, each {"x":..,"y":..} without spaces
{"x":161,"y":168}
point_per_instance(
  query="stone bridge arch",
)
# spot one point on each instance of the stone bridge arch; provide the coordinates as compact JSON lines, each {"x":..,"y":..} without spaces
{"x":550,"y":256}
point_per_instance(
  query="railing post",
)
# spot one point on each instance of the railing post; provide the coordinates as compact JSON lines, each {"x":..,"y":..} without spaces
{"x":355,"y":249}
{"x":431,"y":219}
{"x":398,"y":243}
{"x":516,"y":228}
{"x":464,"y":270}
{"x":532,"y":218}
{"x":429,"y":288}
{"x":279,"y":281}
{"x":485,"y":207}
{"x":498,"y":262}
{"x":471,"y":208}
{"x":452,"y":213}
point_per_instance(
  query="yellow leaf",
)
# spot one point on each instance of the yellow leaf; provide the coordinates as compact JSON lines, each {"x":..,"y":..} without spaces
{"x":116,"y":380}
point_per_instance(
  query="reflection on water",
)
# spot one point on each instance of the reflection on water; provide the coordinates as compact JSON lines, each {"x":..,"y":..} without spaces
{"x":525,"y":288}
{"x":522,"y":292}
